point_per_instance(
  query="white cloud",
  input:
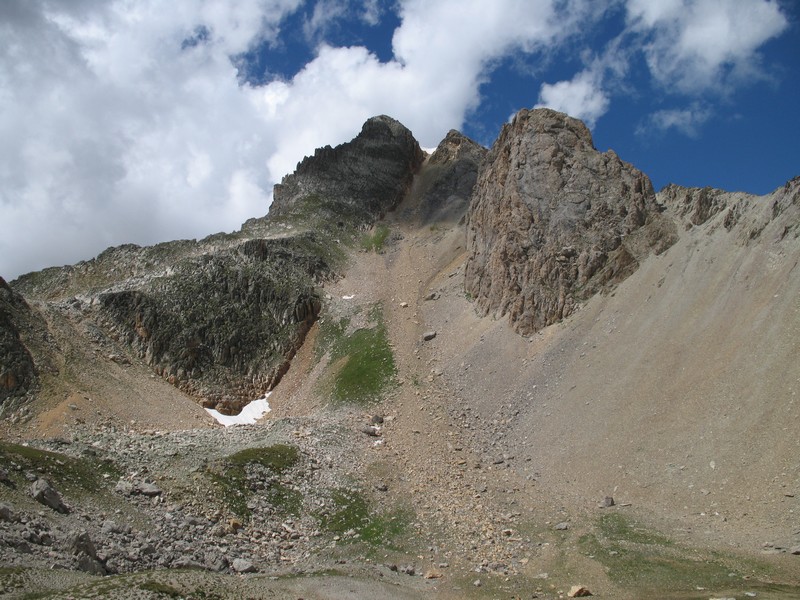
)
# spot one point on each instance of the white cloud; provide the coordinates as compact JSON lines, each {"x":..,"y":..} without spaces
{"x":325,"y":15}
{"x":371,"y":12}
{"x":581,"y":97}
{"x":686,"y":120}
{"x":699,"y":45}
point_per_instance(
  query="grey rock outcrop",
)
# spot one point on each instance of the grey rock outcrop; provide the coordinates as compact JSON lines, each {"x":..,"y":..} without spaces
{"x":745,"y":216}
{"x":449,"y":177}
{"x":552,"y":221}
{"x":223,"y":326}
{"x":354,"y":183}
{"x":18,"y":372}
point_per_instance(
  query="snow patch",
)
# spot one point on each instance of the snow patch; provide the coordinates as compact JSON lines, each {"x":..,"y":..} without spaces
{"x":249,"y":415}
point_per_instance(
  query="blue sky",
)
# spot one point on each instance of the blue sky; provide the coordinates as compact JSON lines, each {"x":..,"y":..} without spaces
{"x":144,"y":121}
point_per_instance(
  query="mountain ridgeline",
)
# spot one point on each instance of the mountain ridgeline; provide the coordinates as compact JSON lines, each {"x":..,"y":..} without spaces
{"x":549,"y":222}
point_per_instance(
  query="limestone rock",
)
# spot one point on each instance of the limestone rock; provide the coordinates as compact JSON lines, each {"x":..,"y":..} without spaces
{"x":578,"y":591}
{"x":553,"y":221}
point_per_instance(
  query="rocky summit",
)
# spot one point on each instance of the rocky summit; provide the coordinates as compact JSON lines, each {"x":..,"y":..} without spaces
{"x":510,"y":372}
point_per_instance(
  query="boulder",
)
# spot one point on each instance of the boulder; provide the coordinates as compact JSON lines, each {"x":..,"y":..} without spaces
{"x":241,"y":565}
{"x":43,"y":492}
{"x":81,"y":543}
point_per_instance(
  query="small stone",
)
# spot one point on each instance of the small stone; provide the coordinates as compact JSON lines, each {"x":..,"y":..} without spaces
{"x":607,"y":502}
{"x":795,"y":550}
{"x":428,"y":336}
{"x":563,"y":526}
{"x":404,"y":305}
{"x":240,"y":565}
{"x":433,"y":574}
{"x":371,"y":430}
{"x":431,"y":296}
{"x":477,"y":583}
{"x":147,"y":489}
{"x":578,"y":591}
{"x":376,"y":420}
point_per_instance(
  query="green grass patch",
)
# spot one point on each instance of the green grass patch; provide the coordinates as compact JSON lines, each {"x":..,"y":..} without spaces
{"x":639,"y":558}
{"x":369,"y":367}
{"x":331,"y":333}
{"x":278,"y":458}
{"x":364,"y":366}
{"x":616,"y":527}
{"x":78,"y":474}
{"x":229,"y":475}
{"x":374,"y":242}
{"x":351,"y":512}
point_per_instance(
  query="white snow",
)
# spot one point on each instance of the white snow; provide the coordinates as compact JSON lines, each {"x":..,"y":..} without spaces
{"x":249,"y":415}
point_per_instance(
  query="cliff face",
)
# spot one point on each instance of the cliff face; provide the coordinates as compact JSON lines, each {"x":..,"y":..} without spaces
{"x":553,"y":221}
{"x":17,"y":370}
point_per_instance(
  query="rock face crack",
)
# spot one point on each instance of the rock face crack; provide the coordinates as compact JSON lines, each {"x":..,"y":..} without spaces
{"x":552,"y":221}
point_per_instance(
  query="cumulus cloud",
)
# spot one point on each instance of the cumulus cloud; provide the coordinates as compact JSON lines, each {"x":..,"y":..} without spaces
{"x":581,"y":97}
{"x":697,"y":45}
{"x":122,"y":123}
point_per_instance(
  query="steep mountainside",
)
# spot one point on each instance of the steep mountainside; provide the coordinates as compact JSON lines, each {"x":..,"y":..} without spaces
{"x":222,"y":318}
{"x":629,"y":422}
